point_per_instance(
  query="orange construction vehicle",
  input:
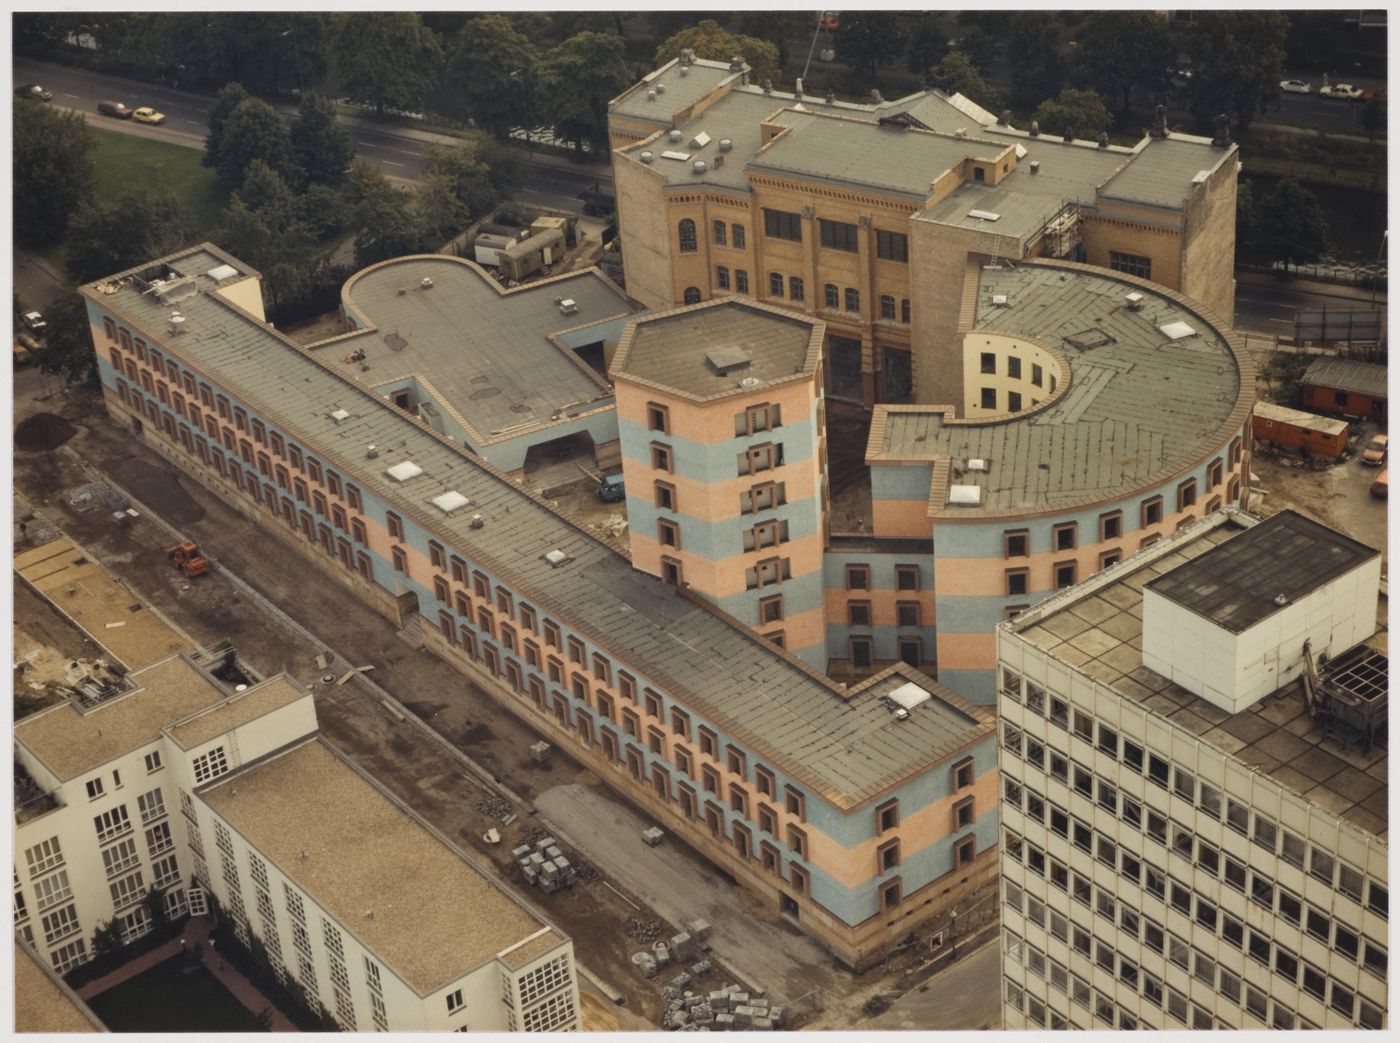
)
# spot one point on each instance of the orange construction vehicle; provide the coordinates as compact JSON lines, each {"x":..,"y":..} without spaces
{"x":188,"y":558}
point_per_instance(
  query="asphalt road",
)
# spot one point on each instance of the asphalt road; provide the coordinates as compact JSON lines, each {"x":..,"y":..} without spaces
{"x":399,"y":153}
{"x":966,"y":995}
{"x":1267,"y":306}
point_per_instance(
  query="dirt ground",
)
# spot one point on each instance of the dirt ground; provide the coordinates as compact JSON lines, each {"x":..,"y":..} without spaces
{"x":320,"y":328}
{"x":45,"y":644}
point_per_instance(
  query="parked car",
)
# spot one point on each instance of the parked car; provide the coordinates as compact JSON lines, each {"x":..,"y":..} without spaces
{"x":1379,"y":488}
{"x":114,"y":108}
{"x":1374,"y":453}
{"x":1296,"y":86}
{"x":33,"y":91}
{"x":34,"y":321}
{"x":1344,"y":91}
{"x":148,"y":115}
{"x":610,"y":489}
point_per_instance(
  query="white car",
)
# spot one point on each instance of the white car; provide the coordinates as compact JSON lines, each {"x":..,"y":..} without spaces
{"x":1296,"y":86}
{"x":34,"y":321}
{"x":1345,"y":91}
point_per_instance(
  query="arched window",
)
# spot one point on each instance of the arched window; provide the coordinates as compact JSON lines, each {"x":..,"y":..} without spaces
{"x":692,"y":295}
{"x":687,"y":234}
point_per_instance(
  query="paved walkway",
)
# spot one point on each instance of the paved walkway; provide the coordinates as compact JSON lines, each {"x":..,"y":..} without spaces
{"x":196,"y":933}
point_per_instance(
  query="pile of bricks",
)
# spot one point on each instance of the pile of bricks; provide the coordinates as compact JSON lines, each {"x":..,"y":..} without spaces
{"x":681,"y":949}
{"x":544,"y":865}
{"x":729,"y":1009}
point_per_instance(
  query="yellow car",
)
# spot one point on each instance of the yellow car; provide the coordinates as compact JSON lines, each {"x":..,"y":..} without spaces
{"x":145,"y":115}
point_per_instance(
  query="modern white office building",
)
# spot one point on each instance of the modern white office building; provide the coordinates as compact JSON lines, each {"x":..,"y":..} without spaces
{"x":1194,"y":788}
{"x":171,"y":778}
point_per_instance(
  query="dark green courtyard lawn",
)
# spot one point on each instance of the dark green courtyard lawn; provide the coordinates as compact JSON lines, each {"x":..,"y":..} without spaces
{"x":124,"y":159}
{"x":164,"y":999}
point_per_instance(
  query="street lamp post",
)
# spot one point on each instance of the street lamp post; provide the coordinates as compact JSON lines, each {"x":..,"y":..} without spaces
{"x":518,"y":76}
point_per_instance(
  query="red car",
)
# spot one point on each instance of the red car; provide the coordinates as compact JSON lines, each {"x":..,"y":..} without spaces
{"x":114,"y":108}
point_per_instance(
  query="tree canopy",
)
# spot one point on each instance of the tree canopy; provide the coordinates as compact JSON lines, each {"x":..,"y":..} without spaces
{"x":67,"y":349}
{"x":52,"y":154}
{"x":1080,"y":111}
{"x":1033,"y":50}
{"x":118,"y":231}
{"x":577,"y":80}
{"x":255,"y":130}
{"x":387,"y":60}
{"x":491,"y":73}
{"x":1237,"y":57}
{"x":1289,"y":225}
{"x":709,"y":39}
{"x":955,"y":74}
{"x":230,"y":96}
{"x":323,"y":145}
{"x":869,"y":39}
{"x":1124,"y":55}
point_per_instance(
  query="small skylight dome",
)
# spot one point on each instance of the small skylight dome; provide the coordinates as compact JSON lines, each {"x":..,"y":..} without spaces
{"x":450,"y":501}
{"x":910,"y":695}
{"x":340,"y":414}
{"x":977,"y":464}
{"x":222,"y":272}
{"x":556,"y":558}
{"x":404,"y":471}
{"x":965,"y":495}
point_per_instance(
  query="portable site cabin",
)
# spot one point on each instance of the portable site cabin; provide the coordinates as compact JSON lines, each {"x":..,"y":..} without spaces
{"x":530,"y":255}
{"x":1347,"y":387}
{"x":1294,"y":429}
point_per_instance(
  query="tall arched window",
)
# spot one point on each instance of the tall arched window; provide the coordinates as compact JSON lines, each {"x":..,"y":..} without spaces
{"x":687,"y":234}
{"x":692,"y":295}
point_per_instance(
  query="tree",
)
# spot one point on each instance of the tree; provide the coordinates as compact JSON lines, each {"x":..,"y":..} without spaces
{"x":114,"y":232}
{"x":154,"y":901}
{"x":869,"y":39}
{"x":1290,"y":225}
{"x":1372,"y":118}
{"x":255,"y":131}
{"x":1081,"y":111}
{"x":67,"y":347}
{"x":263,"y":226}
{"x":927,"y":44}
{"x":577,"y":80}
{"x":322,"y":144}
{"x":1123,"y":55}
{"x":1237,"y":62}
{"x":980,"y":46}
{"x":955,"y":75}
{"x":711,"y":40}
{"x":1033,"y":50}
{"x":53,"y":170}
{"x":386,"y":224}
{"x":1246,"y":225}
{"x":388,"y":60}
{"x":106,"y":938}
{"x":490,"y":74}
{"x":439,"y":212}
{"x":466,"y":177}
{"x":230,"y":96}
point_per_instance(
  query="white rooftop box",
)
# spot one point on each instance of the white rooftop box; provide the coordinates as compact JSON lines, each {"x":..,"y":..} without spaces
{"x":450,"y":501}
{"x":404,"y":471}
{"x":910,"y":695}
{"x":965,"y":495}
{"x":1177,"y":330}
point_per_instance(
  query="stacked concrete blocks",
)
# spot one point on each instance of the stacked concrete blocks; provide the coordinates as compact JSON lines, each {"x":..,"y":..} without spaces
{"x":729,"y":1009}
{"x":544,"y":865}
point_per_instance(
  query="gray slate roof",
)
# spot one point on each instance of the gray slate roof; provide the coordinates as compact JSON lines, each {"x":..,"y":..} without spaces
{"x":451,"y":334}
{"x":846,"y":747}
{"x":672,"y":349}
{"x":703,"y":76}
{"x":1162,"y":171}
{"x":1365,"y":378}
{"x":1136,"y":411}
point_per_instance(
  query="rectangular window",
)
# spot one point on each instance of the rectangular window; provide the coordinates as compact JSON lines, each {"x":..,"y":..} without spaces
{"x":737,"y":234}
{"x":1066,"y":573}
{"x":719,"y":236}
{"x":210,"y":765}
{"x":989,"y":398}
{"x":838,"y":235}
{"x":891,"y":246}
{"x":852,"y":299}
{"x":857,"y":577}
{"x":780,"y":224}
{"x":661,"y":457}
{"x":741,"y":281}
{"x":1130,"y":264}
{"x":796,"y":289}
{"x":722,"y":276}
{"x":1186,"y":494}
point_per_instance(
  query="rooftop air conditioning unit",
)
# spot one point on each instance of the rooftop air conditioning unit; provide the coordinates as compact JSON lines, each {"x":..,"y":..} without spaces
{"x":567,"y":306}
{"x":1134,"y":301}
{"x":426,"y":284}
{"x":372,"y":451}
{"x":676,"y":135}
{"x":1035,"y":166}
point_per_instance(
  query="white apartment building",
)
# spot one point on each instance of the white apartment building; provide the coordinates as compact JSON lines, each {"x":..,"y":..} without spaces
{"x":369,"y":909}
{"x":99,"y":782}
{"x":1194,"y":822}
{"x":169,"y":771}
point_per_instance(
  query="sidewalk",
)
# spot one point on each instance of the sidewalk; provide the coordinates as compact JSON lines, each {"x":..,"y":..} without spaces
{"x":196,"y":933}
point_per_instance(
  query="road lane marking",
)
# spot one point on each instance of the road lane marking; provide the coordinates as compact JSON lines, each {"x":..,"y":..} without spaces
{"x":67,"y":95}
{"x":197,"y":123}
{"x":391,"y":163}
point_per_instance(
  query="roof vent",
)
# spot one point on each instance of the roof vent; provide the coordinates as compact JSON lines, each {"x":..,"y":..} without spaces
{"x":372,"y":451}
{"x":567,"y":305}
{"x":403,"y":291}
{"x":1280,"y":600}
{"x":651,"y":95}
{"x":402,"y":472}
{"x":426,"y":284}
{"x":1021,"y":152}
{"x":340,"y":414}
{"x":984,"y":215}
{"x":961,"y":132}
{"x":660,"y":88}
{"x":700,"y":140}
{"x":673,"y":154}
{"x":450,"y":501}
{"x":965,"y":495}
{"x":699,"y":166}
{"x":556,"y":558}
{"x":647,"y":157}
{"x":725,"y":360}
{"x":477,"y":521}
{"x":676,"y":135}
{"x":685,"y":70}
{"x":999,"y":300}
{"x":177,"y":322}
{"x":725,"y":144}
{"x":1035,"y":166}
{"x":901,"y":714}
{"x":1134,"y":301}
{"x":977,"y":464}
{"x":1034,"y":129}
{"x":719,"y":161}
{"x":750,"y":383}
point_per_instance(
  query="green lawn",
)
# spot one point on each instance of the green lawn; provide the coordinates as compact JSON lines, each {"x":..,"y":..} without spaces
{"x":163,"y":999}
{"x":124,"y":159}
